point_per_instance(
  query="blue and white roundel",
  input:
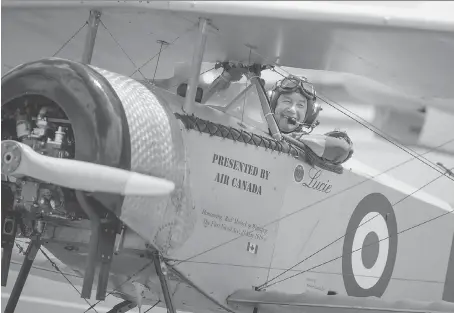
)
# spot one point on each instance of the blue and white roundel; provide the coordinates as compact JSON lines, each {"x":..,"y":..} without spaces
{"x":370,"y":247}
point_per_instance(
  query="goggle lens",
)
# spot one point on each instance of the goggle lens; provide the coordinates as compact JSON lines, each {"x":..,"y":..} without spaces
{"x":289,"y":83}
{"x":292,"y":83}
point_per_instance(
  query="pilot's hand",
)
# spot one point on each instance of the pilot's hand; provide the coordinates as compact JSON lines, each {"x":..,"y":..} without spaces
{"x":341,"y":147}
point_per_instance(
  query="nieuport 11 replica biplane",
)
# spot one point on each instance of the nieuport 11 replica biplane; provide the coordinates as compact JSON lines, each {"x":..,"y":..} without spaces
{"x":188,"y":193}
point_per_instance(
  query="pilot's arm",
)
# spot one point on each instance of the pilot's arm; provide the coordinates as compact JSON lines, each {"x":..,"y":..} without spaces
{"x":335,"y":147}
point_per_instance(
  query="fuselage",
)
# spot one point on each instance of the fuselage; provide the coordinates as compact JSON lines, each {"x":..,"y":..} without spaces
{"x":258,"y":212}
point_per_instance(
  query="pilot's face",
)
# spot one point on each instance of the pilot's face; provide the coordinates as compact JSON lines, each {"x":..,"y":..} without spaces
{"x":290,"y":105}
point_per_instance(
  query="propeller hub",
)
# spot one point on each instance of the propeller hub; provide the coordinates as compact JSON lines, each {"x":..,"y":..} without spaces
{"x":11,"y":157}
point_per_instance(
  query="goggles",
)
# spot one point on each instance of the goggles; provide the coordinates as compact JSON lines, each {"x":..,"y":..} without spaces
{"x":293,"y":83}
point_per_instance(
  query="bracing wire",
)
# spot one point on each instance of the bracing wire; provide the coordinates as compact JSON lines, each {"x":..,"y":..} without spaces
{"x":282,"y":269}
{"x":311,"y":205}
{"x":383,"y":135}
{"x":59,"y":271}
{"x":167,"y":46}
{"x":400,"y":146}
{"x":266,"y":284}
{"x":393,"y":141}
{"x":123,"y":283}
{"x":157,"y":62}
{"x":364,"y":246}
{"x":187,"y":79}
{"x":46,"y":270}
{"x":71,"y":38}
{"x":54,"y":265}
{"x":120,"y":46}
{"x":138,"y":69}
{"x":153,"y":306}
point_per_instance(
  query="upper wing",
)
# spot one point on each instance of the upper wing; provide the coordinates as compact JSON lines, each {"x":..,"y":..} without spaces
{"x":409,"y":50}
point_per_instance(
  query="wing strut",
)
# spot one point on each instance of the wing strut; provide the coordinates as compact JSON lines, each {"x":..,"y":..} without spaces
{"x":93,"y":22}
{"x":197,"y":58}
{"x":100,"y":251}
{"x":265,"y":106}
{"x":30,"y":254}
{"x":252,"y":73}
{"x":158,"y":265}
{"x":9,"y":230}
{"x":92,"y":246}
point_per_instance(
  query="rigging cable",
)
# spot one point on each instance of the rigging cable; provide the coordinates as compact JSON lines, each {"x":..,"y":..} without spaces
{"x":364,"y":246}
{"x":157,"y":62}
{"x":119,"y":286}
{"x":400,"y":146}
{"x":186,"y":80}
{"x":71,"y":38}
{"x":266,"y":284}
{"x":46,"y":270}
{"x":302,"y":272}
{"x":54,"y":265}
{"x":171,"y":43}
{"x":395,"y":143}
{"x":123,"y":50}
{"x":390,"y":139}
{"x":138,"y":69}
{"x":59,"y":271}
{"x":310,"y":205}
{"x":153,"y":306}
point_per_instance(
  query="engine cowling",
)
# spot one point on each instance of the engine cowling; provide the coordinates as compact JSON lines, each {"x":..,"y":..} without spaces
{"x":115,"y":121}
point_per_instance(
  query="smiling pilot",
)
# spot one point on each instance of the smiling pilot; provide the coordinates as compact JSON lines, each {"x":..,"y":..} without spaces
{"x":293,"y":102}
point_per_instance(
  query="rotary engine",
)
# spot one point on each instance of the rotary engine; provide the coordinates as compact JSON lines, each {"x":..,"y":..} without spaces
{"x":79,"y":142}
{"x":82,"y":142}
{"x":41,"y":124}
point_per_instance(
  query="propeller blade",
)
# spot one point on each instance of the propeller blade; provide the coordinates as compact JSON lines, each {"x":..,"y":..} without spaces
{"x":20,"y":159}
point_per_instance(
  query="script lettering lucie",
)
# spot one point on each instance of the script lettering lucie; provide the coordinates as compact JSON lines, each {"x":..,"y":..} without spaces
{"x":317,"y":184}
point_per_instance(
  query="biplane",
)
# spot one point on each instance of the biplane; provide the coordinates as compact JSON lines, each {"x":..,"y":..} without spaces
{"x":182,"y":192}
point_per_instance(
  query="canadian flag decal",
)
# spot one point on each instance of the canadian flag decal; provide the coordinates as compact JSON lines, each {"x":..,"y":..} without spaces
{"x":252,"y":248}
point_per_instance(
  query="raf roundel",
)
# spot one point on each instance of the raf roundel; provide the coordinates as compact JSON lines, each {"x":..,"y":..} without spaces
{"x":370,"y":247}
